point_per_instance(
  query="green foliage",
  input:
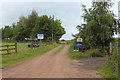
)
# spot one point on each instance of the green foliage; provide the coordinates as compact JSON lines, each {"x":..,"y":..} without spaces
{"x":42,"y":26}
{"x":1,"y":30}
{"x":45,"y":24}
{"x":116,"y":39}
{"x":110,"y":69}
{"x":31,"y":22}
{"x":7,"y":32}
{"x":100,"y":25}
{"x":58,"y":30}
{"x":32,"y":25}
{"x":97,"y":32}
{"x":19,"y":32}
{"x":89,"y":53}
{"x":73,"y":54}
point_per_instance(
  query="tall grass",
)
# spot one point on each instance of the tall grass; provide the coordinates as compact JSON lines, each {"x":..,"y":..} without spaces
{"x":88,"y":53}
{"x":112,"y":67}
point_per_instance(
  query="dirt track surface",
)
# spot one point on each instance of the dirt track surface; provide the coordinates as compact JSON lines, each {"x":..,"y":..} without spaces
{"x":51,"y":65}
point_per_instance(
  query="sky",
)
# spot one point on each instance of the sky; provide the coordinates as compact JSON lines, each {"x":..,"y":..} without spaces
{"x":68,"y":11}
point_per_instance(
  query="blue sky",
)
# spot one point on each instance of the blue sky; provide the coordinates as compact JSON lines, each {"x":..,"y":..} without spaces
{"x":69,"y":12}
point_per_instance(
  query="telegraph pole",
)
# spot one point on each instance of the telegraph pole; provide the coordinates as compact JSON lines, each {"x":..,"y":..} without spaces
{"x":118,"y":25}
{"x":52,"y":27}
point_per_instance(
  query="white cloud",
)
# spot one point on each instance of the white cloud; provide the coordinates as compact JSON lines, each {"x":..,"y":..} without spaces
{"x":68,"y":13}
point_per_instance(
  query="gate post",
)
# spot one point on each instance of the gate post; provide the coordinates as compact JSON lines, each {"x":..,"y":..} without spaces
{"x":16,"y":47}
{"x":7,"y":50}
{"x":110,"y":48}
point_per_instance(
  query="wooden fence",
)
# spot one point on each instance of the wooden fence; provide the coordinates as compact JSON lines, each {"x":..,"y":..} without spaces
{"x":8,"y":49}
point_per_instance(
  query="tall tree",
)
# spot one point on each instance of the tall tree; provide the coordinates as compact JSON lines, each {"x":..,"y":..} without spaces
{"x":58,"y":30}
{"x":100,"y":25}
{"x":45,"y":25}
{"x":30,"y":23}
{"x":19,"y":32}
{"x":8,"y":32}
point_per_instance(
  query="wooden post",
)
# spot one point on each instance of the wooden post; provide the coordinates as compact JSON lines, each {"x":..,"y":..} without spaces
{"x":7,"y":50}
{"x":31,"y":45}
{"x":16,"y":47}
{"x":38,"y":43}
{"x":110,"y":48}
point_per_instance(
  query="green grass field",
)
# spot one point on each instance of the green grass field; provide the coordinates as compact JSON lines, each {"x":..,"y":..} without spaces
{"x":21,"y":47}
{"x":24,"y":53}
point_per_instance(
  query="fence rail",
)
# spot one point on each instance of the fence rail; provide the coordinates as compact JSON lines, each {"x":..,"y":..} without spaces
{"x":9,"y":49}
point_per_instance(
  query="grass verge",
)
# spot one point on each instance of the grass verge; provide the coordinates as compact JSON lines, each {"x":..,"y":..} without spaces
{"x":9,"y":60}
{"x":60,"y":49}
{"x":111,"y":68}
{"x":75,"y":54}
{"x":88,"y":53}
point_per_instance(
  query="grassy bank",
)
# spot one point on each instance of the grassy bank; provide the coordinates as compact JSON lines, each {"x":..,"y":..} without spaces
{"x":74,"y":54}
{"x":112,"y":67}
{"x":88,"y":53}
{"x":9,"y":60}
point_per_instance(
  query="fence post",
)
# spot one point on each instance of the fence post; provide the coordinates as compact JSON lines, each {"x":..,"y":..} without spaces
{"x":110,"y":48}
{"x":16,"y":47}
{"x":31,"y":45}
{"x":7,"y":50}
{"x":117,"y":46}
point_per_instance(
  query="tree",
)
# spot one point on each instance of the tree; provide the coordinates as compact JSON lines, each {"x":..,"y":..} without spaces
{"x":58,"y":30}
{"x":100,"y":25}
{"x":41,"y":26}
{"x":19,"y":32}
{"x":25,"y":26}
{"x":1,"y":33}
{"x":8,"y":32}
{"x":44,"y":25}
{"x":30,"y":23}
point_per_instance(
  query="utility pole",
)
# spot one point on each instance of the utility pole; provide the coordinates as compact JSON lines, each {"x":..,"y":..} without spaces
{"x":118,"y":25}
{"x":118,"y":38}
{"x":52,"y":27}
